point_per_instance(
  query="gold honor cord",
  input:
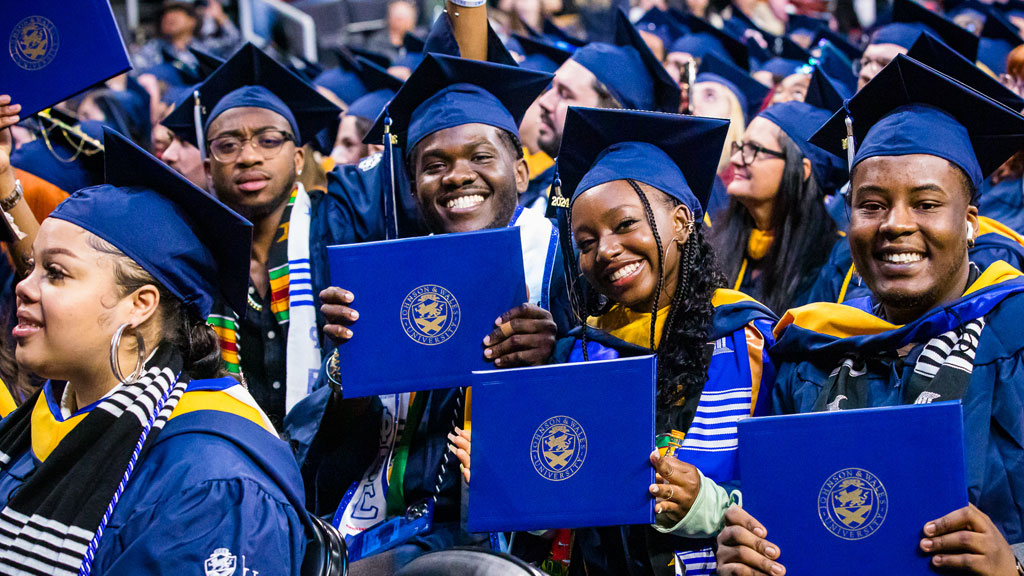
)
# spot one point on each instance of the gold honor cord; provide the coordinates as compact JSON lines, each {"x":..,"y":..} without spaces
{"x":68,"y":131}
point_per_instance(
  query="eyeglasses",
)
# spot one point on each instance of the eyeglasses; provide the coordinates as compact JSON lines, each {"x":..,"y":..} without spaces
{"x":749,"y":151}
{"x":268,"y":143}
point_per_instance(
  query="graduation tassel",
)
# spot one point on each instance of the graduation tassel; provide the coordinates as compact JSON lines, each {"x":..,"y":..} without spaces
{"x":197,"y":119}
{"x":572,"y":275}
{"x":390,"y":214}
{"x":848,"y":143}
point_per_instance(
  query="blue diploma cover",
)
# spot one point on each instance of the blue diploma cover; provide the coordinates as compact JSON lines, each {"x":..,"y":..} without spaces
{"x":845,"y":493}
{"x":54,"y":49}
{"x":563,"y":446}
{"x":425,"y":305}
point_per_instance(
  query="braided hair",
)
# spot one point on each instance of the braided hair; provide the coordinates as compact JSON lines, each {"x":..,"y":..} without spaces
{"x":683,"y":357}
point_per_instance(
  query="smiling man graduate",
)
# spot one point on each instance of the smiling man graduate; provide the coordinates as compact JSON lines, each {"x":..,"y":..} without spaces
{"x":935,"y":327}
{"x":456,"y":123}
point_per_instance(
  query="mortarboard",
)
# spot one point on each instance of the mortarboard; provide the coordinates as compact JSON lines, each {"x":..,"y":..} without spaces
{"x":381,"y":88}
{"x":910,"y":108}
{"x":931,"y":51}
{"x":441,"y":40}
{"x":838,"y":67}
{"x":800,"y":120}
{"x":748,"y":91}
{"x":67,"y":154}
{"x":802,"y":23}
{"x":252,"y":78}
{"x":845,"y":46}
{"x":630,"y":71}
{"x":782,"y":67}
{"x":303,"y":67}
{"x":192,"y":244}
{"x":412,"y":51}
{"x":908,"y":11}
{"x":735,"y":50}
{"x":541,"y":56}
{"x":897,"y":33}
{"x":343,"y":80}
{"x":445,"y":91}
{"x":674,"y":153}
{"x":376,"y":57}
{"x":825,"y":92}
{"x":661,"y":24}
{"x":998,"y":38}
{"x":206,"y":63}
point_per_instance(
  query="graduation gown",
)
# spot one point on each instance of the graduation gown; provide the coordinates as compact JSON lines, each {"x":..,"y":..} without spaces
{"x":813,"y":339}
{"x":1004,"y":202}
{"x":741,"y":333}
{"x":839,"y":281}
{"x":217,"y":487}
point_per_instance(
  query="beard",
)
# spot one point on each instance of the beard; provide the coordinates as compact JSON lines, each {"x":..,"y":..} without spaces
{"x":550,"y":144}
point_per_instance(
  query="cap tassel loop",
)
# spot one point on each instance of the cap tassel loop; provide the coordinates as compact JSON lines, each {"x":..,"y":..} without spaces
{"x":848,"y":143}
{"x":390,"y":214}
{"x":197,"y":117}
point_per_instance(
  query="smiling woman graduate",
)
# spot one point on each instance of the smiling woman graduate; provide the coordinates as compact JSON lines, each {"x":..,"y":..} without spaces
{"x":935,"y":327}
{"x":638,"y":182}
{"x":135,"y":457}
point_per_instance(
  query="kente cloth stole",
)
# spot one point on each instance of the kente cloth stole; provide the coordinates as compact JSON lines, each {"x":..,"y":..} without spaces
{"x":942,"y":372}
{"x":291,"y":301}
{"x":53,"y":523}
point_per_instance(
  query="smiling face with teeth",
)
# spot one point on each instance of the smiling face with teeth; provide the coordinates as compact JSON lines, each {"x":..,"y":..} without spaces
{"x":618,"y":252}
{"x":467,"y":178}
{"x":910,"y":219}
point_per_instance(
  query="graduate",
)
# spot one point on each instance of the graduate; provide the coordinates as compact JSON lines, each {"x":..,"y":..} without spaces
{"x":456,"y":124}
{"x":839,"y":281}
{"x":637,"y":183}
{"x":257,"y":117}
{"x":623,"y":74}
{"x":935,"y":327}
{"x":723,"y":90}
{"x":775,"y":234}
{"x":137,"y":455}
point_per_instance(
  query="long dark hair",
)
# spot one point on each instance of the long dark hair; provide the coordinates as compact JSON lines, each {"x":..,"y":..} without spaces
{"x":682,"y":353}
{"x":803,"y":234}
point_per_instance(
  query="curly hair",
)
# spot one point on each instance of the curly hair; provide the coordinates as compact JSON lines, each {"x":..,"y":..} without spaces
{"x":683,"y":353}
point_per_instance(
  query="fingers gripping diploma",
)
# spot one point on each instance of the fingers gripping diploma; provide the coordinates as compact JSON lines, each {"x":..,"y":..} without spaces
{"x":523,"y":336}
{"x":967,"y":542}
{"x":336,"y":306}
{"x":677,"y":487}
{"x":742,"y":548}
{"x":458,"y":444}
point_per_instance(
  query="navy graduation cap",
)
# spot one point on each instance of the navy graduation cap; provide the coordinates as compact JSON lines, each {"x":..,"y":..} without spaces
{"x":344,"y":80}
{"x":800,"y":120}
{"x":630,"y":71}
{"x":824,"y":92}
{"x":194,"y":245}
{"x":931,"y":51}
{"x":445,"y":91}
{"x":541,"y":56}
{"x":206,"y":63}
{"x":845,"y":46}
{"x":706,"y":38}
{"x":252,"y":78}
{"x":376,"y":57}
{"x":660,"y":23}
{"x":910,"y":108}
{"x":441,"y":40}
{"x":412,"y":51}
{"x":908,"y":11}
{"x":67,"y":154}
{"x":834,"y":63}
{"x":674,"y":153}
{"x":380,"y":89}
{"x":897,"y":33}
{"x":748,"y":91}
{"x":998,"y":38}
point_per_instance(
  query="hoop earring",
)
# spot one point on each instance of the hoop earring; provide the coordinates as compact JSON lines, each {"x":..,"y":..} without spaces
{"x":115,"y":343}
